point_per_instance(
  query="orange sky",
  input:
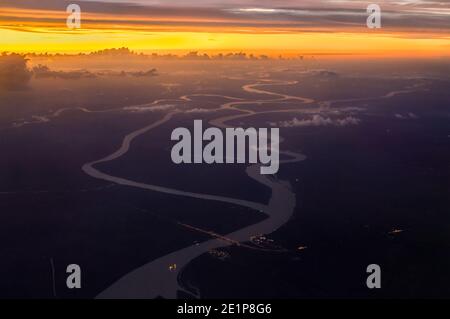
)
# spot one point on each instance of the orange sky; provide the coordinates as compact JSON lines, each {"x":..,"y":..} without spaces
{"x":285,"y":32}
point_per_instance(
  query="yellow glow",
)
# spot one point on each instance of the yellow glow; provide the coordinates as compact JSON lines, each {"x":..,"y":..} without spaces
{"x":20,"y":34}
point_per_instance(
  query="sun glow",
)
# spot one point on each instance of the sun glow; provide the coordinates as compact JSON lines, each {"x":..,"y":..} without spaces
{"x":21,"y":31}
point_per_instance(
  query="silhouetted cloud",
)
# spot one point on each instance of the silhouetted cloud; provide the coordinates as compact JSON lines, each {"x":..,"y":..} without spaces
{"x":151,"y":72}
{"x":42,"y":71}
{"x":321,"y":73}
{"x":125,"y":53}
{"x":14,"y":73}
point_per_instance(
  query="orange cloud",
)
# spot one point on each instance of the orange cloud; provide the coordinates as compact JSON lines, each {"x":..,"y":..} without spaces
{"x":44,"y":29}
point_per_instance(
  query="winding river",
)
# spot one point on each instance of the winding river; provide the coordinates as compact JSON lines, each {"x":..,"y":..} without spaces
{"x":155,"y":279}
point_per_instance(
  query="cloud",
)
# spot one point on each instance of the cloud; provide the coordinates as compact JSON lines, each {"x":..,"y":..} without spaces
{"x":14,"y":74}
{"x":321,"y":73}
{"x":144,"y":108}
{"x":42,"y":71}
{"x":287,"y":15}
{"x":165,"y":107}
{"x":408,"y":116}
{"x":318,"y":120}
{"x":152,"y":72}
{"x":200,"y":110}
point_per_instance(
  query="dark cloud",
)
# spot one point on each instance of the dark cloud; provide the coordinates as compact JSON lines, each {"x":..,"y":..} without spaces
{"x":14,"y":74}
{"x":151,"y":72}
{"x":284,"y":14}
{"x":321,"y":73}
{"x":42,"y":71}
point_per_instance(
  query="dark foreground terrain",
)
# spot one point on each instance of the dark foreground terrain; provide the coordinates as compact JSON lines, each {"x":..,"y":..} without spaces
{"x":373,"y":189}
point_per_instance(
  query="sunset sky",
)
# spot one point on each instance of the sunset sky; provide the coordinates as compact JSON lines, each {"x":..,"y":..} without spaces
{"x":409,"y":28}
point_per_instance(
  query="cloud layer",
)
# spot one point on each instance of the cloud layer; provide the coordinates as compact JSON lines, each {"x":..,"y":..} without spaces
{"x":318,"y":120}
{"x":414,"y":27}
{"x":275,"y":16}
